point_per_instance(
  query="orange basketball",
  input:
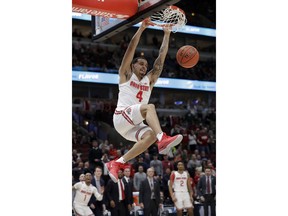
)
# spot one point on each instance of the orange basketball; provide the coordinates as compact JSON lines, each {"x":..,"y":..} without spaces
{"x":187,"y":56}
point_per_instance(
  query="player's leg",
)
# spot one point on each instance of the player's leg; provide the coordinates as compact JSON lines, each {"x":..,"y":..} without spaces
{"x":139,"y":147}
{"x":190,"y":208}
{"x":133,"y":115}
{"x":148,"y":112}
{"x":165,"y":143}
{"x":190,"y":211}
{"x":129,"y":123}
{"x":179,"y":203}
{"x":187,"y":203}
{"x":88,"y":211}
{"x":136,"y":114}
{"x":78,"y":210}
{"x":179,"y":212}
{"x":148,"y":138}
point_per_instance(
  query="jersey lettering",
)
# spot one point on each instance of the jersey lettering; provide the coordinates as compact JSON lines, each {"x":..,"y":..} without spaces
{"x":140,"y":87}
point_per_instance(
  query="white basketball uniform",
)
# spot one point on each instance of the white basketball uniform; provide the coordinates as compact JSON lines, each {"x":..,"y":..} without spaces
{"x":181,"y":190}
{"x":127,"y":118}
{"x":82,"y":197}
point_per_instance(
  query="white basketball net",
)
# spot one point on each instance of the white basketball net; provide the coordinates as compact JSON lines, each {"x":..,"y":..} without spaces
{"x":171,"y":16}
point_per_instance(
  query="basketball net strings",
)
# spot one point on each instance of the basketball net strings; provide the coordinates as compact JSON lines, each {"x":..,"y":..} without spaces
{"x":169,"y":17}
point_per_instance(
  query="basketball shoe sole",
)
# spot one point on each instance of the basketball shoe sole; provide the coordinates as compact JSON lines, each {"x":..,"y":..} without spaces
{"x":171,"y":145}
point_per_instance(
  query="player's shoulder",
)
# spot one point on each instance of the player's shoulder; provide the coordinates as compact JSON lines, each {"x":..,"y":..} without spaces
{"x":125,"y":77}
{"x":77,"y":184}
{"x":173,"y":173}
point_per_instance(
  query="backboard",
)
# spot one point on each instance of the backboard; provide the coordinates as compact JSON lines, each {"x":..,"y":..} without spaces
{"x":105,"y":27}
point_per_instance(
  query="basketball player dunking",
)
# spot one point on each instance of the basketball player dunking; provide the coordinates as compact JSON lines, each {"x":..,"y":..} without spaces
{"x":135,"y":86}
{"x":180,"y":190}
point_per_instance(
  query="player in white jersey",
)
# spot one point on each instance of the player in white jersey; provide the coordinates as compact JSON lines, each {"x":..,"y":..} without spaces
{"x":180,"y":190}
{"x":84,"y":191}
{"x":135,"y":86}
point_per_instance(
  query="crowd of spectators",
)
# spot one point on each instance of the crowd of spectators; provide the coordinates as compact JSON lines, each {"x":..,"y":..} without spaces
{"x":92,"y":148}
{"x":95,"y":57}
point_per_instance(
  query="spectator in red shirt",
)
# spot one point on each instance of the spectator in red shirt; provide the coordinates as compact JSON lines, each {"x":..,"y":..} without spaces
{"x":197,"y":176}
{"x":167,"y":163}
{"x":202,"y":140}
{"x":185,"y":139}
{"x":112,"y":152}
{"x":119,"y":154}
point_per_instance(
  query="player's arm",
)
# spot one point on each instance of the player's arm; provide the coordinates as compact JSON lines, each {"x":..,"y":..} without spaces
{"x":76,"y":186}
{"x":159,"y":62}
{"x":98,"y":196}
{"x":171,"y":182}
{"x":125,"y":67}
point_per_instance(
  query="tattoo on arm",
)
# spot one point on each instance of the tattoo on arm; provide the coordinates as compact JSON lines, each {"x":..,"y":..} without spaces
{"x":159,"y":62}
{"x":157,"y":68}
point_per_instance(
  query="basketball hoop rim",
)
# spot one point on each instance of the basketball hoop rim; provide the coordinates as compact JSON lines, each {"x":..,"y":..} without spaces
{"x":173,"y":7}
{"x":176,"y":8}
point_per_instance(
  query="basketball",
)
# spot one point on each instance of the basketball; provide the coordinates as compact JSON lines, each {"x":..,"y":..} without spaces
{"x":187,"y":56}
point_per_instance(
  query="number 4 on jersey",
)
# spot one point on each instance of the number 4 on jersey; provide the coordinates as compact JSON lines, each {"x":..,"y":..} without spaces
{"x":139,"y":95}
